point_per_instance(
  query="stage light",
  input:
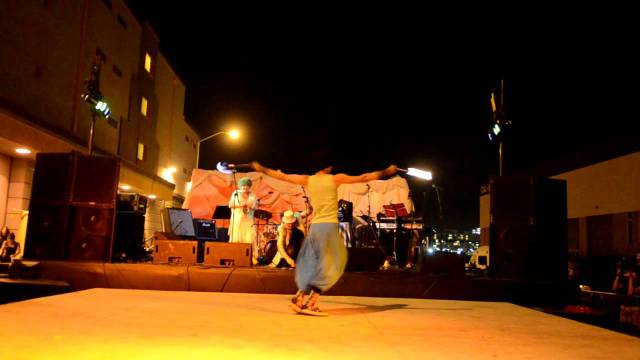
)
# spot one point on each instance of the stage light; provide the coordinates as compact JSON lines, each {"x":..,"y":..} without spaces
{"x":23,"y":151}
{"x":99,"y":107}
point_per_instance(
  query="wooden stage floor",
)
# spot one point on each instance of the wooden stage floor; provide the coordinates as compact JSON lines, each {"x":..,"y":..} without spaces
{"x":151,"y":324}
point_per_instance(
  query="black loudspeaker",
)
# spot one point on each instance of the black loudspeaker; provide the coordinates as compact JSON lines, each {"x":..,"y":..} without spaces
{"x":364,"y":259}
{"x":128,"y":238}
{"x":205,"y":229}
{"x":95,"y":180}
{"x":75,"y":178}
{"x":131,"y":202}
{"x":71,"y":213}
{"x":91,"y":234}
{"x":47,"y":232}
{"x":528,"y":230}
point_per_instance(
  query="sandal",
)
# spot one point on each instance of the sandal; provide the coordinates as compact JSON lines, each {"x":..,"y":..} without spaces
{"x":297,"y":302}
{"x":313,"y":311}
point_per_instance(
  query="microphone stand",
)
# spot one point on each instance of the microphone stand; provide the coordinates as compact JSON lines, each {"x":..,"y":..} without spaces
{"x":259,"y":245}
{"x":234,"y":201}
{"x":371,"y":223}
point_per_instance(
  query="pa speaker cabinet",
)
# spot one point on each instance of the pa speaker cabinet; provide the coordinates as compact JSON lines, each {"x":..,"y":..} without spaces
{"x":175,"y":252}
{"x":75,"y":178}
{"x":91,"y":233}
{"x":227,"y":254}
{"x":47,"y":232}
{"x":528,"y":231}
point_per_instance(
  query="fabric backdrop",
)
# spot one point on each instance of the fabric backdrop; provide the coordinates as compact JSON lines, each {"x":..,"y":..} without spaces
{"x":211,"y":188}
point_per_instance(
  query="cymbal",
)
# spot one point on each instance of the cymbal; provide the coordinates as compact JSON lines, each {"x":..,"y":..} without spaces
{"x":262,"y":214}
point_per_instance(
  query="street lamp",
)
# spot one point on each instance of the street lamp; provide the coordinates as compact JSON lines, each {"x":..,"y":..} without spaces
{"x":233,"y":134}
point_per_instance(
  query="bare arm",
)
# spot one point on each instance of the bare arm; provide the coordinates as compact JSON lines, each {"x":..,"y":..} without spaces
{"x":282,"y":234}
{"x":296,"y":179}
{"x":340,"y":179}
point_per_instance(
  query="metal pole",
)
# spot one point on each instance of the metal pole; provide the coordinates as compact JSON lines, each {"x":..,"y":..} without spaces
{"x":198,"y":155}
{"x":93,"y":124}
{"x":500,"y":158}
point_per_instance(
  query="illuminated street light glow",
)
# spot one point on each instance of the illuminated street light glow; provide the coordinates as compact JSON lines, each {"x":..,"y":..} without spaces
{"x":234,"y":134}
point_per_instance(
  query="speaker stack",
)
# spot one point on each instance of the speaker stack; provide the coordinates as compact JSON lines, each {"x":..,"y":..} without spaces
{"x":528,"y":231}
{"x":71,"y":213}
{"x":128,"y":239}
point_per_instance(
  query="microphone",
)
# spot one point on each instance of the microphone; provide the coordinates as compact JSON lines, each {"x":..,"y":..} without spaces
{"x":239,"y":166}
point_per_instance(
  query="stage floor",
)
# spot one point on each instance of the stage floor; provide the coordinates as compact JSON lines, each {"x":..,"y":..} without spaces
{"x":150,"y":324}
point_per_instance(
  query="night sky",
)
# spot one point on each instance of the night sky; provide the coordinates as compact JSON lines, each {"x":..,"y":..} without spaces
{"x":402,"y":86}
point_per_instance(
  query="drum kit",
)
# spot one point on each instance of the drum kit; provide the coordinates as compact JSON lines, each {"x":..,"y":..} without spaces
{"x":266,"y":233}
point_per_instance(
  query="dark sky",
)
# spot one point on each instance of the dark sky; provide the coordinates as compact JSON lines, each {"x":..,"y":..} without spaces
{"x":398,"y":85}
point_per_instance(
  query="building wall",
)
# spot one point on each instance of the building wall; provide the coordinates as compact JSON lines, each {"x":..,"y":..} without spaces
{"x":178,"y":140}
{"x":608,"y":187}
{"x":39,"y":58}
{"x":47,"y":49}
{"x":115,"y":33}
{"x":143,"y":128}
{"x":5,"y":175}
{"x":603,"y":207}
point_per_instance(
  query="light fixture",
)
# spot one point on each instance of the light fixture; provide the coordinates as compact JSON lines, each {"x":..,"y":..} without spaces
{"x":23,"y":151}
{"x":151,"y":196}
{"x":222,"y":166}
{"x":234,"y":134}
{"x":125,"y":187}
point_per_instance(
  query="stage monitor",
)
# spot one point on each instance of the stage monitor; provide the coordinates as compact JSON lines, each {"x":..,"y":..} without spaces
{"x":180,"y":222}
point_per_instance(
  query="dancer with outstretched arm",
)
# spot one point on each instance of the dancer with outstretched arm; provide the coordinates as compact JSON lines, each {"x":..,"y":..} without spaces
{"x":323,"y":257}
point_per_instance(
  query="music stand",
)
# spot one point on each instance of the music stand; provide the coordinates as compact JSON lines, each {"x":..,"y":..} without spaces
{"x":395,"y":210}
{"x":222,"y":212}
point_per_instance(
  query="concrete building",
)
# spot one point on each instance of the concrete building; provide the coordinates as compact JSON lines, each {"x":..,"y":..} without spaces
{"x":46,"y":53}
{"x":603,"y":208}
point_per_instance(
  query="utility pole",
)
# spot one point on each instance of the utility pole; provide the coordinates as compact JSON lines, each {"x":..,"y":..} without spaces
{"x":498,"y":125}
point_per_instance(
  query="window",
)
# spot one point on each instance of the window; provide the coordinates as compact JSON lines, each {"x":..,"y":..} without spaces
{"x":121,"y":21}
{"x":143,"y":106}
{"x":101,"y":55}
{"x":117,"y":71}
{"x":140,"y":151}
{"x":147,"y":62}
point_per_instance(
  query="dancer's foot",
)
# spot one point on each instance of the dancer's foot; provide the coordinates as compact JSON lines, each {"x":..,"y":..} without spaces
{"x":311,"y":307}
{"x":313,"y":311}
{"x":297,"y":302}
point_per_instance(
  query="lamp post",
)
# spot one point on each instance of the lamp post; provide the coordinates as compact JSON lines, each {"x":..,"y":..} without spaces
{"x":233,"y":134}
